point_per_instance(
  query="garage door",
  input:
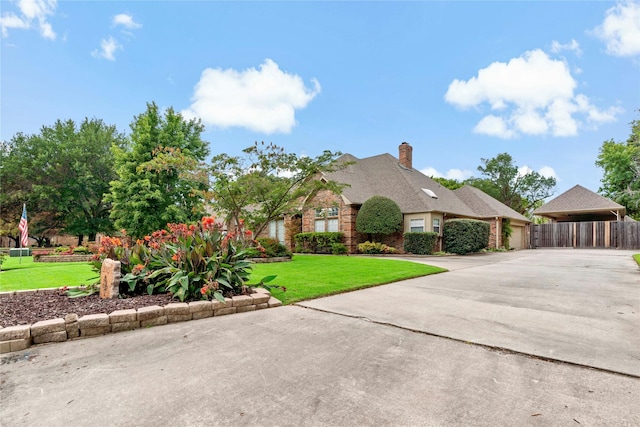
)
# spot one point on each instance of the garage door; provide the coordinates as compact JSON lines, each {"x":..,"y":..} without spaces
{"x":516,"y":241}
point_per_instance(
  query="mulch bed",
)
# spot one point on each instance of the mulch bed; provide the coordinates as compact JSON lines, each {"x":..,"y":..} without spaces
{"x":29,"y":309}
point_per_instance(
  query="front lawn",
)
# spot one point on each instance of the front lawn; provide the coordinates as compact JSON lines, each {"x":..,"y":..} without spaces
{"x":312,"y":276}
{"x":27,"y":274}
{"x":637,"y":258}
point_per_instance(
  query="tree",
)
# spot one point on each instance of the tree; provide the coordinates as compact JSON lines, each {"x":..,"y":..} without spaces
{"x":621,"y":165}
{"x":521,"y":192}
{"x":451,"y":184}
{"x":62,"y":173}
{"x":266,"y":183}
{"x":160,"y":176}
{"x":379,"y":216}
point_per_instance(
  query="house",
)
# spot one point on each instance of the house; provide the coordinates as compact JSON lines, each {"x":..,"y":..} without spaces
{"x":425,"y":204}
{"x":580,"y":204}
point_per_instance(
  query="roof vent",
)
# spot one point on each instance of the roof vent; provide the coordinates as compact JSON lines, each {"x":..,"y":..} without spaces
{"x":430,"y":193}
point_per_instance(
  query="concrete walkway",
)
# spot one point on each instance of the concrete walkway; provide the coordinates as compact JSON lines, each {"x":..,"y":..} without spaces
{"x":294,"y":366}
{"x":578,"y":306}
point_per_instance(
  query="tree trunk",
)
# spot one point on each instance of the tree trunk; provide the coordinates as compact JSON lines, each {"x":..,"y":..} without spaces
{"x":92,"y":237}
{"x":80,"y":238}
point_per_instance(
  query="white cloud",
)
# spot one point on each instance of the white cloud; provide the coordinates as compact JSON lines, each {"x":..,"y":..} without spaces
{"x":263,"y":100}
{"x":457,"y":174}
{"x":31,"y":11}
{"x":620,"y":30}
{"x":546,"y":171}
{"x":108,"y":49}
{"x":532,"y":94}
{"x":574,"y":46}
{"x":126,"y":21}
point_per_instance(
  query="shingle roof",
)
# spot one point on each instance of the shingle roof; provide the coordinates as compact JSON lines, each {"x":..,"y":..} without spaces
{"x":578,"y":199}
{"x":486,"y":206}
{"x":383,"y":175}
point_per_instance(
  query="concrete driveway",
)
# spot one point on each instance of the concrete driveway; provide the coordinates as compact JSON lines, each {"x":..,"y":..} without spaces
{"x":294,"y":366}
{"x":578,"y":306}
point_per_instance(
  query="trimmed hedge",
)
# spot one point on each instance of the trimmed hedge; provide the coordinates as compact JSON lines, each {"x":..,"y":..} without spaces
{"x":317,"y":243}
{"x":273,"y":248}
{"x":420,"y":243}
{"x":462,"y":236}
{"x":379,"y":216}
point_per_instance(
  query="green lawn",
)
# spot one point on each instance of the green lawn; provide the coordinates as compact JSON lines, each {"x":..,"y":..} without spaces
{"x":27,"y":274}
{"x":312,"y":276}
{"x":637,"y":258}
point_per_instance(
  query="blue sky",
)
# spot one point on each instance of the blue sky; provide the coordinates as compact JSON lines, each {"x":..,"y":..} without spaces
{"x":547,"y":82}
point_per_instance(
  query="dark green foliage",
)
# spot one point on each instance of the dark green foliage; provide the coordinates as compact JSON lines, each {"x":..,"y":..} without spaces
{"x":379,"y":216}
{"x":273,"y":248}
{"x":317,"y":243}
{"x":338,"y":249}
{"x":420,"y":243}
{"x":160,"y":176}
{"x":462,"y":236}
{"x":506,"y":232}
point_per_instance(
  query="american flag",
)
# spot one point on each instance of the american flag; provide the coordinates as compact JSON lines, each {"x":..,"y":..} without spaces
{"x":24,"y":227}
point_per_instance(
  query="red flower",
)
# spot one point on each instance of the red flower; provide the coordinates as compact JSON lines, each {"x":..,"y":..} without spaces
{"x":203,"y":290}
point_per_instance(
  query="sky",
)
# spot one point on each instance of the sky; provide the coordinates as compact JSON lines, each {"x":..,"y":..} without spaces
{"x":547,"y":82}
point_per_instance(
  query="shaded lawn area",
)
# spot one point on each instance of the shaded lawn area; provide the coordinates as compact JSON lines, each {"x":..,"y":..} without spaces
{"x":312,"y":276}
{"x":27,"y":274}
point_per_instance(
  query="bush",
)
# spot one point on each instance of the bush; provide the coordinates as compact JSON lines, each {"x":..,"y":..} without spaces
{"x":273,"y":248}
{"x":462,"y":236}
{"x":375,"y":248}
{"x":81,"y":250}
{"x":317,"y":243}
{"x":379,"y":216}
{"x":338,"y":249}
{"x":420,"y":243}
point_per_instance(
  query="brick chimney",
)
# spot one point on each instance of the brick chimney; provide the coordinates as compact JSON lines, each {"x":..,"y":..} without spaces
{"x":406,"y":155}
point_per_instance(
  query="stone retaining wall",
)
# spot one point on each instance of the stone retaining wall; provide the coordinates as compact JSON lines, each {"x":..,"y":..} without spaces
{"x":62,"y":258}
{"x":16,"y":338}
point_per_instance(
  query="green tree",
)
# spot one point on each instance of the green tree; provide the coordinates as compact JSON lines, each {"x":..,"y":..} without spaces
{"x":160,"y":177}
{"x":503,"y":181}
{"x":265,"y":183}
{"x":379,"y":216}
{"x":451,"y":184}
{"x":621,"y":165}
{"x":62,"y":174}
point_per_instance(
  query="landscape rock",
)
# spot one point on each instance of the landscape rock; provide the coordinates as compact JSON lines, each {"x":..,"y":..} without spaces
{"x":110,"y":279}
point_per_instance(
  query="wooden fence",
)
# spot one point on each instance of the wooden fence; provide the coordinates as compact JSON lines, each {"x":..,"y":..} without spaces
{"x":589,"y":234}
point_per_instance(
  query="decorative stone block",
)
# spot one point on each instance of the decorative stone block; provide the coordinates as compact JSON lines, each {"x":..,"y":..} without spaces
{"x":71,"y":318}
{"x":98,"y":330}
{"x":14,"y":345}
{"x":242,"y":300}
{"x":259,"y":298}
{"x":48,"y":326}
{"x":224,"y":311}
{"x":120,"y":316}
{"x":174,"y":318}
{"x":177,"y":308}
{"x":73,"y":330}
{"x":110,"y":279}
{"x":155,"y":321}
{"x":228,"y":302}
{"x":262,"y":306}
{"x":125,"y":326}
{"x":58,"y":336}
{"x":93,"y":321}
{"x":245,"y":308}
{"x":274,"y":302}
{"x":198,"y":306}
{"x":201,"y":314}
{"x":151,"y":312}
{"x":15,"y":333}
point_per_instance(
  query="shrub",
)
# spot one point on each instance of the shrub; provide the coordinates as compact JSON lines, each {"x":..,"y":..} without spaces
{"x":273,"y":248}
{"x":379,"y":216}
{"x":420,"y":243}
{"x":375,"y":248}
{"x":338,"y":249}
{"x":2,"y":257}
{"x":317,"y":243}
{"x":462,"y":236}
{"x":81,"y":250}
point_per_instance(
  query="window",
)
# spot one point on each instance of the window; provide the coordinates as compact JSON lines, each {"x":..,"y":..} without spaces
{"x":276,"y":230}
{"x":416,"y":225}
{"x":436,"y":225}
{"x":327,"y":220}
